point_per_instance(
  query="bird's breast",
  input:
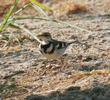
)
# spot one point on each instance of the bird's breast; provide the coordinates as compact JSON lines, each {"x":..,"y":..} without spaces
{"x":50,"y":52}
{"x":47,"y":48}
{"x":53,"y":50}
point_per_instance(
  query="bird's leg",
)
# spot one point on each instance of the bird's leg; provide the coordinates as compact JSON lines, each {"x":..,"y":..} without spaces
{"x":61,"y":61}
{"x":49,"y":66}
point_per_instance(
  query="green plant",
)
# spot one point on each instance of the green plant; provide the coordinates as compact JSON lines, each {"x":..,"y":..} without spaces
{"x":10,"y":17}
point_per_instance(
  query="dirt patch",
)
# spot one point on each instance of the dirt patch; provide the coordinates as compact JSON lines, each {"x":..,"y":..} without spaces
{"x":85,"y":74}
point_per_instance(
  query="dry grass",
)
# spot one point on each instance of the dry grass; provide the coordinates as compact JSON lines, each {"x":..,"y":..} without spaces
{"x":72,"y":6}
{"x":69,"y":7}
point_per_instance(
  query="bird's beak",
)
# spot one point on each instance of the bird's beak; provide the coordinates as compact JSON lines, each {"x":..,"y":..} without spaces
{"x":38,"y":36}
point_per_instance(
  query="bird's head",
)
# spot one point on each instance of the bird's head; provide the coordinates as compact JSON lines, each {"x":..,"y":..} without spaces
{"x":44,"y":37}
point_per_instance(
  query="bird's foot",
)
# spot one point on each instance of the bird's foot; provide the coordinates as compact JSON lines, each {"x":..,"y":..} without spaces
{"x":48,"y":67}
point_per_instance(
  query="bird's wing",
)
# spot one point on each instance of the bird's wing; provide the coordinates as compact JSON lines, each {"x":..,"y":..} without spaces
{"x":59,"y":44}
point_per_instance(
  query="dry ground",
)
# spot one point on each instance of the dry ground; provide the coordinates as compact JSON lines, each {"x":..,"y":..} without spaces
{"x":85,"y":74}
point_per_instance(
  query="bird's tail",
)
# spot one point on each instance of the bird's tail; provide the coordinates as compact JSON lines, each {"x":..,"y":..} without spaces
{"x":79,"y":43}
{"x":75,"y":42}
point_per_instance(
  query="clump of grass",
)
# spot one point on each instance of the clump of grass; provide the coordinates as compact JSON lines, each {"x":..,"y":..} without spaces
{"x":10,"y":18}
{"x":8,"y":15}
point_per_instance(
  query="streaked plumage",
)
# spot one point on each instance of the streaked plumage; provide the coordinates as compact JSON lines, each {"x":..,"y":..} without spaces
{"x":50,"y":48}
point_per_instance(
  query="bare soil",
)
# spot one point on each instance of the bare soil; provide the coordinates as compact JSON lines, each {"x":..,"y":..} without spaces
{"x":85,"y":74}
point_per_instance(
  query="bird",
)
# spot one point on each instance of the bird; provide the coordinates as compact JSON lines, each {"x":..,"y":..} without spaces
{"x":50,"y":48}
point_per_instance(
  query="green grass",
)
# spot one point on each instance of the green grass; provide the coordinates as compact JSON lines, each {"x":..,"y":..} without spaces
{"x":10,"y":18}
{"x":8,"y":15}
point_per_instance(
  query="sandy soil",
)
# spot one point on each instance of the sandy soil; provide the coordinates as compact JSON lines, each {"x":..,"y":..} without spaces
{"x":85,"y":74}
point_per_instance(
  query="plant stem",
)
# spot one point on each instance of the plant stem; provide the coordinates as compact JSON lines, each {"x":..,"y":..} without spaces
{"x":8,"y":15}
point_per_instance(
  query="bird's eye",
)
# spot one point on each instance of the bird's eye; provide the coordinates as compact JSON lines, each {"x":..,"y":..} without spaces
{"x":40,"y":39}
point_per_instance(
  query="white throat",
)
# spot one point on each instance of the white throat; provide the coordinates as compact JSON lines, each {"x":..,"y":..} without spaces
{"x":44,"y":42}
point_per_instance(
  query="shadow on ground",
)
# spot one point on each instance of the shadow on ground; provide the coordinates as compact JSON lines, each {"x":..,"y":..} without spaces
{"x":96,"y":92}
